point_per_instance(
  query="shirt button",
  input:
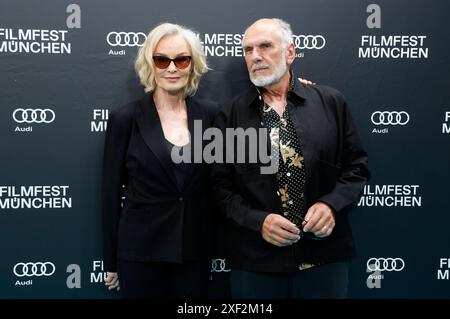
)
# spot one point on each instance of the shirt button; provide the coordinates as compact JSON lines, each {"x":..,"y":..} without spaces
{"x":180,"y":199}
{"x":288,"y":174}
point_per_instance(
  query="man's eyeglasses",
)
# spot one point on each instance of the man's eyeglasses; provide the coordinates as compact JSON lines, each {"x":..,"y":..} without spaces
{"x":308,"y":234}
{"x":163,"y":62}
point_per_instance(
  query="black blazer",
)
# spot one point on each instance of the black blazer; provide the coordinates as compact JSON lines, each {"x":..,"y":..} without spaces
{"x":336,"y":172}
{"x":159,"y":222}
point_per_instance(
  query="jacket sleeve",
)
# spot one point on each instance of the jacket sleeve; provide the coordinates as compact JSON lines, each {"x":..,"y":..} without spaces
{"x":113,"y":179}
{"x":354,"y":172}
{"x":225,"y":191}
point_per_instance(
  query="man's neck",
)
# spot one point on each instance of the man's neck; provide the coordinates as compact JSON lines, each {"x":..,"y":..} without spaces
{"x":276,"y":94}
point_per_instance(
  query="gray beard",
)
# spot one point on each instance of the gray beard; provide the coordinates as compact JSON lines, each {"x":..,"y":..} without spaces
{"x":265,"y":81}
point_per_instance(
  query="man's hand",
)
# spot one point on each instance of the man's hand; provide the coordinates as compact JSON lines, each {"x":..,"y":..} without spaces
{"x":319,"y":220}
{"x":305,"y":81}
{"x":279,"y":231}
{"x":112,"y":281}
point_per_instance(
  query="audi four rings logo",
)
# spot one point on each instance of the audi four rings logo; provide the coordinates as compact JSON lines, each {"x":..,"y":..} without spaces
{"x":34,"y":269}
{"x":123,"y":39}
{"x":33,"y":116}
{"x":390,"y":118}
{"x":385,"y":264}
{"x":218,"y":265}
{"x":309,"y":41}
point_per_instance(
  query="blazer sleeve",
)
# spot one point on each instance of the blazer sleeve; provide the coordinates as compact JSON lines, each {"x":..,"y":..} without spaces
{"x":113,"y":179}
{"x":354,"y":172}
{"x":225,"y":191}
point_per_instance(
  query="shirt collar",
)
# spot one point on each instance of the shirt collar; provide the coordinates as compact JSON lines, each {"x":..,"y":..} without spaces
{"x":296,"y":88}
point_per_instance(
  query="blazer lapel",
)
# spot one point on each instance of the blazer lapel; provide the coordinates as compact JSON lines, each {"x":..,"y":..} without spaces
{"x":196,"y":137}
{"x":151,"y":130}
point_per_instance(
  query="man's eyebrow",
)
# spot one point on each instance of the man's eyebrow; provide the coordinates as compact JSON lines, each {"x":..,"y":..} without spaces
{"x":265,"y":43}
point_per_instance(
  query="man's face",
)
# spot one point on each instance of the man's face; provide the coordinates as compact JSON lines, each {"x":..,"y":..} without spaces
{"x":265,"y":57}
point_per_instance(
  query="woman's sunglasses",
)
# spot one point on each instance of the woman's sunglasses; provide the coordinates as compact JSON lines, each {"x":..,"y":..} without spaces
{"x":163,"y":62}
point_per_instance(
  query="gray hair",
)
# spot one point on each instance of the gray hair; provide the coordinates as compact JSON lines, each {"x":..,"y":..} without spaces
{"x":285,"y":32}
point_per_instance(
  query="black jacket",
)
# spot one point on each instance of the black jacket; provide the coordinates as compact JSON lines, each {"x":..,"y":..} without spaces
{"x":336,"y":172}
{"x":159,"y":222}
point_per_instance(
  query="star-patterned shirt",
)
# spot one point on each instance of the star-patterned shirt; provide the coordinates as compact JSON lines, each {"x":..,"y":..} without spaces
{"x":291,"y":173}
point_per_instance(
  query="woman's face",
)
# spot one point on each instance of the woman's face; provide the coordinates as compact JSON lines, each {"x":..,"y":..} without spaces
{"x":172,"y":79}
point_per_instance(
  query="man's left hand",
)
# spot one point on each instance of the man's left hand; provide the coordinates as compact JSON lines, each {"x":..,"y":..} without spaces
{"x":319,"y":220}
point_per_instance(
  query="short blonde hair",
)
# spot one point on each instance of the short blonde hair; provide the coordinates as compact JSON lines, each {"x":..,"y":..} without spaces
{"x":145,"y":68}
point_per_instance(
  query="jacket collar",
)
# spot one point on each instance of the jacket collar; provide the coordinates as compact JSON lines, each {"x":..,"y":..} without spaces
{"x":296,"y":89}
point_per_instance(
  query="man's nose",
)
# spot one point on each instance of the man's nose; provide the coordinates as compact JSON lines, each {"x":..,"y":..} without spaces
{"x":256,"y":56}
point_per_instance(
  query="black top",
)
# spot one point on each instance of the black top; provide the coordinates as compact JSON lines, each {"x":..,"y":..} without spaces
{"x":181,"y":169}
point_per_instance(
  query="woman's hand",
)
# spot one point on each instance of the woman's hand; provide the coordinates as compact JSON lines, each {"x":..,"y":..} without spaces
{"x":305,"y":81}
{"x":112,"y":281}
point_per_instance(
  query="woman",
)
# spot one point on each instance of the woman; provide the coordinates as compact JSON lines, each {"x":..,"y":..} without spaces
{"x":158,"y":241}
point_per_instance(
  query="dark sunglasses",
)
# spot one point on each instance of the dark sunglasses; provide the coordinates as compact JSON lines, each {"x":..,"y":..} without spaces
{"x":163,"y":62}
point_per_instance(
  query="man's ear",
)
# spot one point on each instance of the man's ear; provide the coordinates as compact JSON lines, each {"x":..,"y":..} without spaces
{"x":290,"y":54}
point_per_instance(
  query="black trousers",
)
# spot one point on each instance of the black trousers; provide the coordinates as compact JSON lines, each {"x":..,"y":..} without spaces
{"x":328,"y":281}
{"x":188,"y":280}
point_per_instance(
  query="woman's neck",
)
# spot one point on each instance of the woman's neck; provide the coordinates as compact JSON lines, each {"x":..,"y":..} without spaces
{"x":169,"y":102}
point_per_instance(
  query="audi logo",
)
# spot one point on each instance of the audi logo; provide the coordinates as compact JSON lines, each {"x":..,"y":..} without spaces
{"x":123,"y":39}
{"x":34,"y":269}
{"x":33,"y":115}
{"x":390,"y":118}
{"x":385,"y":264}
{"x":218,"y":265}
{"x":309,"y":41}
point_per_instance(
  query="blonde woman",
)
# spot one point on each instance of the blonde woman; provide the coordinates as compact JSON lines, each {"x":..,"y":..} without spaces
{"x":158,"y":242}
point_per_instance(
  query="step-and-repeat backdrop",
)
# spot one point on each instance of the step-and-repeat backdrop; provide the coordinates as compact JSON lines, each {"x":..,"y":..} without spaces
{"x":65,"y":65}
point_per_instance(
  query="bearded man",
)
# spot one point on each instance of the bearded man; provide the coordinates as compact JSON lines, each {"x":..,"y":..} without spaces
{"x":288,"y":233}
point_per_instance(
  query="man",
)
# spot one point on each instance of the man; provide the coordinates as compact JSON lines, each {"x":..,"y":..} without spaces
{"x":288,"y":234}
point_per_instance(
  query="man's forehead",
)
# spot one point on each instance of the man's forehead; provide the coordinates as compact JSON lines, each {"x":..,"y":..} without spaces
{"x":259,"y":34}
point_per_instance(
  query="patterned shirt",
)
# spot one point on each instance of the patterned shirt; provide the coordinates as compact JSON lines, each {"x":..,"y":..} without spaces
{"x":291,"y":174}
